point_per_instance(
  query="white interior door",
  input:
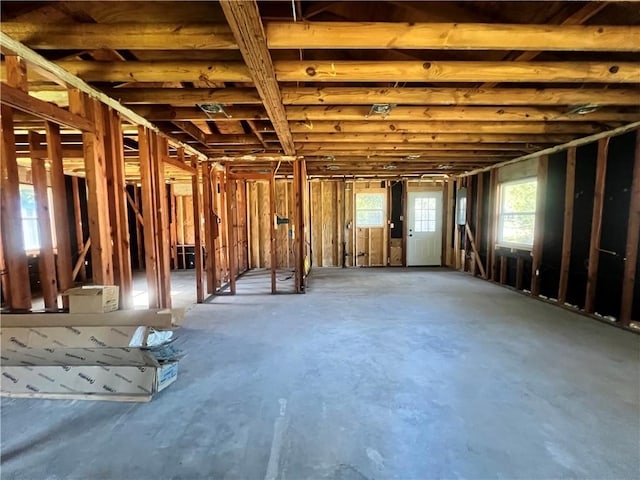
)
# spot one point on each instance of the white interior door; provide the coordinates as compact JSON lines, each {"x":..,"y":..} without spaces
{"x":424,"y":229}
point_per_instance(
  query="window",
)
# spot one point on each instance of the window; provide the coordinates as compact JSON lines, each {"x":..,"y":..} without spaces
{"x":517,"y":213}
{"x":425,"y":215}
{"x":370,"y":210}
{"x":29,"y":215}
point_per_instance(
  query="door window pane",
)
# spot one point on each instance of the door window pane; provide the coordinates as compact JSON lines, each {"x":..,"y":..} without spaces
{"x":424,"y":215}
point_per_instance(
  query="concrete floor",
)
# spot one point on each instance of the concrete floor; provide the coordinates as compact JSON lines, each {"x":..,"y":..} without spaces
{"x":407,"y":374}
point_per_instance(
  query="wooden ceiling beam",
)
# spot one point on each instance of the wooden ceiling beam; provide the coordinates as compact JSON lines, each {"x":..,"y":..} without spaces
{"x":122,"y":36}
{"x":175,"y":71}
{"x":411,"y":154}
{"x":583,"y":14}
{"x":246,"y":25}
{"x":471,"y":138}
{"x":193,"y":131}
{"x":167,"y":113}
{"x":458,"y":96}
{"x":231,"y":139}
{"x":453,"y":113}
{"x":447,"y":127}
{"x":402,"y":143}
{"x":450,"y":36}
{"x":456,"y":71}
{"x":185,"y":96}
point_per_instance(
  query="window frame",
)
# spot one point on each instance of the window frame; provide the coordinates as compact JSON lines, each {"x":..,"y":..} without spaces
{"x":500,"y":224}
{"x":383,"y":195}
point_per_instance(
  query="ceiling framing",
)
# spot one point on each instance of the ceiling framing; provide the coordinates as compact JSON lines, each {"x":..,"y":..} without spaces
{"x":466,"y":84}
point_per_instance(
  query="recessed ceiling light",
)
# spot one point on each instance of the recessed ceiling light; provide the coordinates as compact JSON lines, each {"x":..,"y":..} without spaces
{"x":332,"y":167}
{"x":213,"y":109}
{"x":390,"y":166}
{"x":412,"y":157}
{"x":583,"y":109}
{"x":383,"y":109}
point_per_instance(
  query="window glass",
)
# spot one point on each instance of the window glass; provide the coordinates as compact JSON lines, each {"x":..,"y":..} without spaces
{"x":517,"y":213}
{"x":370,"y":210}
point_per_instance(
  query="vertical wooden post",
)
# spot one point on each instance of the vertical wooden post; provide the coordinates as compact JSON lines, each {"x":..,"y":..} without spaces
{"x":569,"y":193}
{"x":173,"y":226}
{"x":231,"y":231}
{"x":503,"y":269}
{"x":538,"y":239}
{"x":493,"y":223}
{"x":596,"y":225}
{"x":118,"y":213}
{"x":18,"y":292}
{"x":298,"y":220}
{"x":95,"y":174}
{"x":209,"y":239}
{"x":139,"y":232}
{"x":162,"y":223}
{"x":149,"y":218}
{"x":46,"y":258}
{"x":479,"y":216}
{"x":197,"y":228}
{"x":77,"y":213}
{"x":272,"y":231}
{"x":64,"y":261}
{"x":633,"y":234}
{"x":469,"y":220}
{"x":519,"y":268}
{"x":450,"y":227}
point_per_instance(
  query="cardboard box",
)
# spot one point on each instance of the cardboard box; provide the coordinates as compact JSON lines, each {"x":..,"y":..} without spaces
{"x":159,"y":319}
{"x":114,"y":382}
{"x":93,"y":299}
{"x":16,"y":338}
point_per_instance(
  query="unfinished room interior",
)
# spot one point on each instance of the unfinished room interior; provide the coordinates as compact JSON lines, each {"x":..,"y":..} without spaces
{"x":337,"y":240}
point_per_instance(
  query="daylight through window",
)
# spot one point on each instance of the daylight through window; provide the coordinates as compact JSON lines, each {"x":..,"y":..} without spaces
{"x":370,"y":210}
{"x":517,"y":213}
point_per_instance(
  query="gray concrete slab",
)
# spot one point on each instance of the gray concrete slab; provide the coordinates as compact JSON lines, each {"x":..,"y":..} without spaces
{"x":407,"y":374}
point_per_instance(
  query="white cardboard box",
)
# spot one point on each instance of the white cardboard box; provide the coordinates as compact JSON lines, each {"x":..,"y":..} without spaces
{"x":87,"y":380}
{"x":93,"y":299}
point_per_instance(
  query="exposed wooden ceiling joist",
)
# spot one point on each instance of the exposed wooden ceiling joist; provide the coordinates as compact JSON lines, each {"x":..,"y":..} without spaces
{"x":246,"y":25}
{"x":444,"y":127}
{"x":185,"y":96}
{"x":454,"y":36}
{"x":458,"y":96}
{"x":417,"y":71}
{"x":167,"y":113}
{"x":454,"y":113}
{"x":423,"y":137}
{"x":126,"y":36}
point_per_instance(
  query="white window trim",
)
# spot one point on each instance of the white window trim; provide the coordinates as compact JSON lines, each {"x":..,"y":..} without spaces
{"x":513,"y":245}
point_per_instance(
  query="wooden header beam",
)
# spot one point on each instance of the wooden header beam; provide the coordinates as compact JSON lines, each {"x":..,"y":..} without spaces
{"x":8,"y":43}
{"x":246,"y":24}
{"x":16,"y":98}
{"x":473,"y":138}
{"x":450,"y":36}
{"x":456,"y":71}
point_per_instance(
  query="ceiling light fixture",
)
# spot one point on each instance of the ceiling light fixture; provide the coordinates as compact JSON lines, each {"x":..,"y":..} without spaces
{"x":213,"y":109}
{"x":412,"y":157}
{"x":583,"y":109}
{"x":382,"y":109}
{"x":332,"y":167}
{"x":390,"y":166}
